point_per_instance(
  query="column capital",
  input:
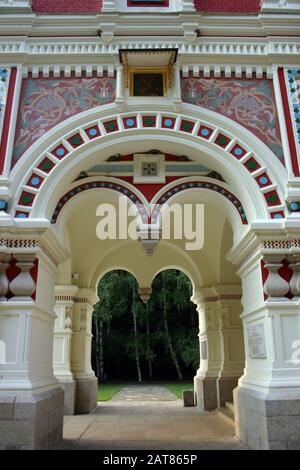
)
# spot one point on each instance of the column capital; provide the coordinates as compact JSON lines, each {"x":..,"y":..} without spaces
{"x":35,"y":237}
{"x":86,"y":295}
{"x":265,"y":239}
{"x":65,"y":294}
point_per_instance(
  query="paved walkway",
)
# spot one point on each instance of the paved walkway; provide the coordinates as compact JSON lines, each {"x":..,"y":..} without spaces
{"x":133,"y":393}
{"x":142,"y":417}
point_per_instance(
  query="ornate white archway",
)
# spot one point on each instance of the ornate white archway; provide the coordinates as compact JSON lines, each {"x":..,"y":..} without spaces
{"x":48,"y":168}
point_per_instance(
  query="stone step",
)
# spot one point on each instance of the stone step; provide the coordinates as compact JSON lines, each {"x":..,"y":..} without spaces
{"x":229,"y":406}
{"x":226,"y":414}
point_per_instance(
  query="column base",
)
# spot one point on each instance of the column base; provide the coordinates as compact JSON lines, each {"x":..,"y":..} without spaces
{"x":225,"y":386}
{"x":267,"y":422}
{"x":86,"y":395}
{"x":32,"y":422}
{"x":68,"y":384}
{"x":205,"y":389}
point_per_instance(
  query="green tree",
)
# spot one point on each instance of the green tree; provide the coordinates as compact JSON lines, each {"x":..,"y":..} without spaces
{"x":112,"y":303}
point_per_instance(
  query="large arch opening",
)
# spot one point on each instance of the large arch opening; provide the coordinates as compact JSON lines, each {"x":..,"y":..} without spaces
{"x":232,"y":197}
{"x":216,"y":289}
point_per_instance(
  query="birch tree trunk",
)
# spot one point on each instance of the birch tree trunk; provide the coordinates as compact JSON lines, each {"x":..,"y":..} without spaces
{"x":136,"y":348}
{"x":148,"y":342}
{"x":169,"y":341}
{"x":97,"y":347}
{"x":101,"y":352}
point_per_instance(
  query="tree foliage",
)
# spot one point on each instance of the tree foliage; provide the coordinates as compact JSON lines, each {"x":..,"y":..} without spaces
{"x":157,"y":340}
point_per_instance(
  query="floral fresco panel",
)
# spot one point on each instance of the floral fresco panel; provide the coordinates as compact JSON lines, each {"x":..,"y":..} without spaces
{"x":249,"y":102}
{"x":46,"y":102}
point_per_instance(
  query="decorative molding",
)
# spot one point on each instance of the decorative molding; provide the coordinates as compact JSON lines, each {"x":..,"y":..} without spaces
{"x":19,"y":243}
{"x":280,"y":245}
{"x":79,"y":189}
{"x":15,"y":6}
{"x":220,"y":298}
{"x":228,"y":70}
{"x":28,"y":245}
{"x":253,"y":55}
{"x":177,"y":188}
{"x":145,"y":293}
{"x":68,"y":70}
{"x":64,"y":148}
{"x":205,"y":185}
{"x":280,"y":6}
{"x":64,"y":298}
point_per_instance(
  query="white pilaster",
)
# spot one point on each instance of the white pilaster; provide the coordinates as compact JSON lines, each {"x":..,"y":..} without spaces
{"x":87,"y":384}
{"x":63,"y":333}
{"x":210,"y":349}
{"x":270,"y":386}
{"x":29,"y":392}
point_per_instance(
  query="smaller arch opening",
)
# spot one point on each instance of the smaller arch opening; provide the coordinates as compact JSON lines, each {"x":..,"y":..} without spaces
{"x":145,"y":342}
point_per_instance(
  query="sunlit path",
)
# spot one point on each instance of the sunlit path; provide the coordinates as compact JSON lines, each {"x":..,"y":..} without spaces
{"x":132,"y":421}
{"x":143,"y":393}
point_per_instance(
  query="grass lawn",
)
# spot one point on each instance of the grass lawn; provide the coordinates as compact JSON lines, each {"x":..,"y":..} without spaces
{"x":107,"y":391}
{"x":177,"y":387}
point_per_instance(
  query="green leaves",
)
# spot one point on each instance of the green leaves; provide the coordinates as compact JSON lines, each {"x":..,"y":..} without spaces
{"x":119,"y":301}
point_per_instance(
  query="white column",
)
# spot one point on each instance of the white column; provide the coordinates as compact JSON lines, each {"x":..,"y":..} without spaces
{"x":63,"y":333}
{"x":267,"y":400}
{"x":205,"y":381}
{"x":232,"y":348}
{"x":87,"y":384}
{"x":176,"y":86}
{"x":120,"y":86}
{"x":31,"y":400}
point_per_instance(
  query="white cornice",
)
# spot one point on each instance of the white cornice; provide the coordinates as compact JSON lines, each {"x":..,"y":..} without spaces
{"x":172,"y":24}
{"x":257,"y":53}
{"x":280,"y":6}
{"x":15,"y":6}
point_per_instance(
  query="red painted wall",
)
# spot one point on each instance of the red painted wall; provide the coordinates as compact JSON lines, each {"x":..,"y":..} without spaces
{"x":93,"y":6}
{"x":228,"y":6}
{"x":70,"y":6}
